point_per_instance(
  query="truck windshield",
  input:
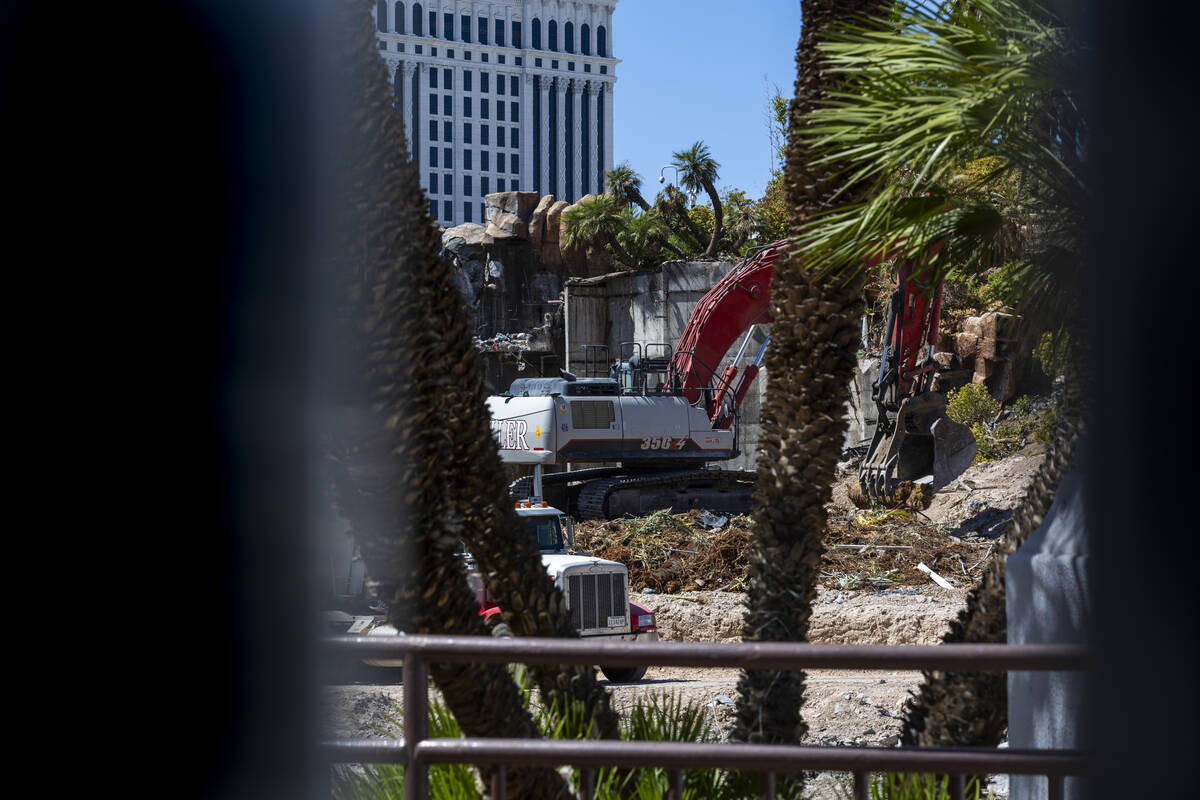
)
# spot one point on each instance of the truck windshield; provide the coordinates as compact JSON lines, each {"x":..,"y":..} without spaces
{"x":547,"y":531}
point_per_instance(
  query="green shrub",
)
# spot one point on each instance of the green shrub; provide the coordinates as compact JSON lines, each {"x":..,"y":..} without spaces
{"x":894,"y":786}
{"x":997,"y":434}
{"x":1052,"y":351}
{"x":972,"y":405}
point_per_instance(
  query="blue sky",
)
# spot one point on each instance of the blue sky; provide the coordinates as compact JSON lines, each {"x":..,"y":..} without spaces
{"x":693,"y":69}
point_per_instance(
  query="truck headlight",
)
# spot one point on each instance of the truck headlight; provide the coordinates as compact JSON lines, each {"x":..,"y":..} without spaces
{"x":646,"y":621}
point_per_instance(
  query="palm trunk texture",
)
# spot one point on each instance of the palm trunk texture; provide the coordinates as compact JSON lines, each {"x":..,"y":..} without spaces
{"x":416,"y":468}
{"x":809,"y":367}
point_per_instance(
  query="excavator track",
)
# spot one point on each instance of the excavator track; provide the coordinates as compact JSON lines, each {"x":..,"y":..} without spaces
{"x":522,"y":488}
{"x":594,"y":498}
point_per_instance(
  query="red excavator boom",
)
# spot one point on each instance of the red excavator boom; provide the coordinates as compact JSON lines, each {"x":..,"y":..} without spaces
{"x":737,"y":302}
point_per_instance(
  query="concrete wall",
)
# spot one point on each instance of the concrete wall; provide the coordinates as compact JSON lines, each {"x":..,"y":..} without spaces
{"x":1047,"y":597}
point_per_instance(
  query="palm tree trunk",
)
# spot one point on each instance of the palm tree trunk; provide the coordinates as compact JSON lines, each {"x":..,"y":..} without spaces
{"x":636,"y":196}
{"x":619,"y":252}
{"x":680,"y":213}
{"x":718,"y":220}
{"x":809,"y":365}
{"x":392,"y":477}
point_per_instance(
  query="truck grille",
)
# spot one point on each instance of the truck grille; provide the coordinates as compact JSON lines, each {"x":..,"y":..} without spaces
{"x":595,"y":597}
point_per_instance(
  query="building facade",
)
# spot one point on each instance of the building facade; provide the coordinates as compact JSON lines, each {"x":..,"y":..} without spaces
{"x":508,"y":95}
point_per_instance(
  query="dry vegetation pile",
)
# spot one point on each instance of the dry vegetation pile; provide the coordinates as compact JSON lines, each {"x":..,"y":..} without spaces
{"x":673,"y":553}
{"x":882,"y":548}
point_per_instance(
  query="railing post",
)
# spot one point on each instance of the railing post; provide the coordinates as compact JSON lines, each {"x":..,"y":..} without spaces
{"x":416,"y":724}
{"x":958,"y":787}
{"x":499,"y":785}
{"x":1054,"y":787}
{"x":675,"y":792}
{"x":587,"y":784}
{"x":862,"y":787}
{"x":767,"y":782}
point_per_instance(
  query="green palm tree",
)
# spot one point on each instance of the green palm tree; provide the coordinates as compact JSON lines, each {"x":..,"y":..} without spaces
{"x":810,"y":363}
{"x":416,"y":470}
{"x":598,"y":223}
{"x":925,"y":97}
{"x":625,"y":185}
{"x":644,"y":236}
{"x":698,"y":170}
{"x":671,"y":205}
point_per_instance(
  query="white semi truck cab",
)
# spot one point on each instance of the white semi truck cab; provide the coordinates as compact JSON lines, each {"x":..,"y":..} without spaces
{"x":596,"y":590}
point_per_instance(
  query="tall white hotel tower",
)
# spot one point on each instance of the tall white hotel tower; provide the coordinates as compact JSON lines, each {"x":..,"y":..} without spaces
{"x":502,"y":96}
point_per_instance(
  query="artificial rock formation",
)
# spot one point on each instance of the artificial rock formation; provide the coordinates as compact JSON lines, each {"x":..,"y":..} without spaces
{"x":513,"y":216}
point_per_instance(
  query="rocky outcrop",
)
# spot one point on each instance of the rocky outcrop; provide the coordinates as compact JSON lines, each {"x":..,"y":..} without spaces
{"x":984,"y":352}
{"x":574,"y":258}
{"x":508,"y":214}
{"x":513,"y":216}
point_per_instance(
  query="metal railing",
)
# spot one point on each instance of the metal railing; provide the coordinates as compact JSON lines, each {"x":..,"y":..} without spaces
{"x":416,"y":751}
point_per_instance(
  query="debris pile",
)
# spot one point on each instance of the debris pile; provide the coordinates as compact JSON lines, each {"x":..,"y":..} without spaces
{"x":882,"y":549}
{"x":671,"y":553}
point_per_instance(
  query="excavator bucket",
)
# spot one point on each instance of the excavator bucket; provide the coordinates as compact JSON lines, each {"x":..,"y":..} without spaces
{"x":921,"y":446}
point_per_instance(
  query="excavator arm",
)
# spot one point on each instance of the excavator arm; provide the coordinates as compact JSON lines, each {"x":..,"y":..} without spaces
{"x":738,"y":301}
{"x":914,"y":442}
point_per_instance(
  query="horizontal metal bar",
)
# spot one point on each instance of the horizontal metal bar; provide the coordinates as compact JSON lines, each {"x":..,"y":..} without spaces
{"x":751,"y":655}
{"x":758,"y":757}
{"x":365,"y":751}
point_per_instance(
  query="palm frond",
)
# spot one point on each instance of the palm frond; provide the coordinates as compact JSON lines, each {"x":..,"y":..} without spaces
{"x":964,"y":121}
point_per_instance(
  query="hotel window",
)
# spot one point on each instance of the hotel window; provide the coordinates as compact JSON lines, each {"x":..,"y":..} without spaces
{"x":447,"y":131}
{"x":500,"y":110}
{"x":448,"y":158}
{"x":483,"y":161}
{"x":433,"y":157}
{"x":467,"y":187}
{"x":447,"y":105}
{"x":447,"y":184}
{"x":467,"y":133}
{"x":448,"y":209}
{"x":483,"y":134}
{"x":512,"y":85}
{"x":448,"y":26}
{"x":448,"y":80}
{"x":483,"y":108}
{"x":467,"y":80}
{"x":499,"y":136}
{"x":433,"y":130}
{"x":513,"y":167}
{"x":483,"y":30}
{"x":514,"y":137}
{"x":483,"y":186}
{"x":483,"y":82}
{"x":466,"y":106}
{"x":433,"y":75}
{"x":516,"y":113}
{"x":467,"y":165}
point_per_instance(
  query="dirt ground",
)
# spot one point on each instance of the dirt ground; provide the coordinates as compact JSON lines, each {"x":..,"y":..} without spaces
{"x":842,"y":707}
